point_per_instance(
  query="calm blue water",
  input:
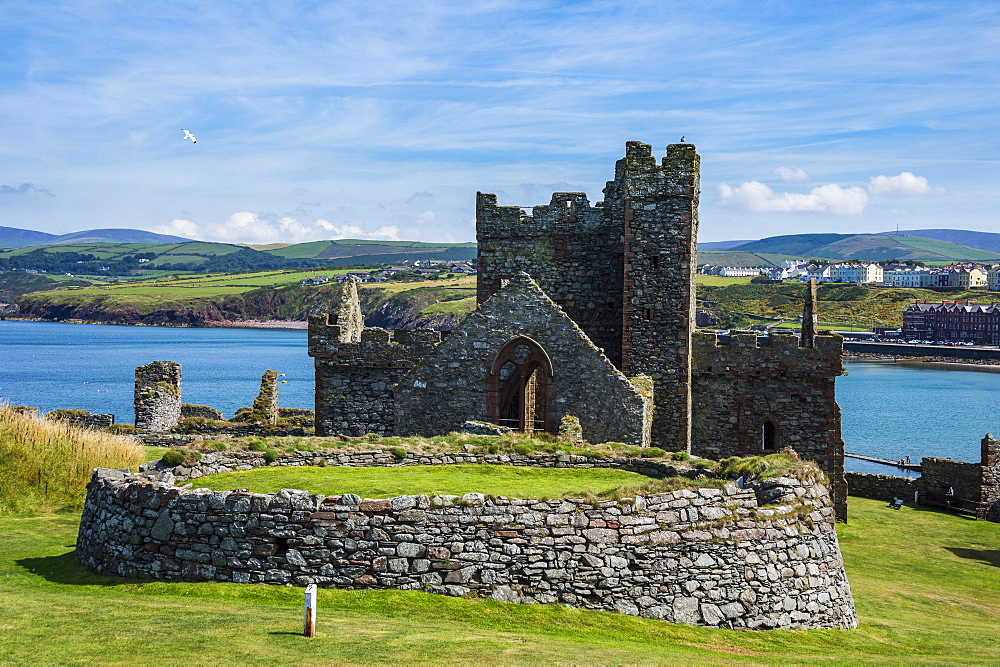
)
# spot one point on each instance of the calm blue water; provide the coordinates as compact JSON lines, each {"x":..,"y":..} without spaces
{"x":92,"y":366}
{"x":890,"y":410}
{"x":893,"y":410}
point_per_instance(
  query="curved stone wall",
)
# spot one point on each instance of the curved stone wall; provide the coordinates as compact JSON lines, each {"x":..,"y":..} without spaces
{"x":712,"y":557}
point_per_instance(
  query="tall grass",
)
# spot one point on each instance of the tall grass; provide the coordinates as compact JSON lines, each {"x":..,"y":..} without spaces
{"x":45,"y":465}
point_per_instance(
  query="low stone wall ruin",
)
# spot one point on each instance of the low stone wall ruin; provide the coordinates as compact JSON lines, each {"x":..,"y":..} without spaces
{"x":712,"y":557}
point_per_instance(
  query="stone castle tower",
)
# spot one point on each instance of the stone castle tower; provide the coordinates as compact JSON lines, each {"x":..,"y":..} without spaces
{"x":622,"y":269}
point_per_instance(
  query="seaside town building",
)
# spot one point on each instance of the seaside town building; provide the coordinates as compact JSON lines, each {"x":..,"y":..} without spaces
{"x":953,"y":321}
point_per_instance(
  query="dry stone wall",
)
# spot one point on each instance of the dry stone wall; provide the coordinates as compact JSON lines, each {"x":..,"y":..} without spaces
{"x":202,"y":411}
{"x":711,"y":557}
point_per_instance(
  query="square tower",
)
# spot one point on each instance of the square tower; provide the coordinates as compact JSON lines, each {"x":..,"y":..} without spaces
{"x":622,"y":269}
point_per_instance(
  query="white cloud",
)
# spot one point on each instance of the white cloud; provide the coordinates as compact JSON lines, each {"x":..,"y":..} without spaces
{"x":903,"y":185}
{"x":829,"y":198}
{"x":247,"y":227}
{"x":179,"y":227}
{"x":791,"y":174}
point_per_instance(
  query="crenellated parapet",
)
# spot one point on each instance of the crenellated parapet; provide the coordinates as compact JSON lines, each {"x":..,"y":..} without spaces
{"x":380,"y":348}
{"x":776,"y":355}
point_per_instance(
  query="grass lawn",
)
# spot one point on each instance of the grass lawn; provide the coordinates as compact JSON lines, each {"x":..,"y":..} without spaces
{"x":927,"y":587}
{"x":510,"y":481}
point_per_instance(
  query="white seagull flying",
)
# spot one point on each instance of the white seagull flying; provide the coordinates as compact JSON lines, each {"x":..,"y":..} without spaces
{"x":188,"y":135}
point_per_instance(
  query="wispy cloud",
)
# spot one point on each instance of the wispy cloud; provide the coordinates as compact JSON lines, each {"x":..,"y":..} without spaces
{"x":246,"y":227}
{"x":791,"y":174}
{"x":24,"y":189}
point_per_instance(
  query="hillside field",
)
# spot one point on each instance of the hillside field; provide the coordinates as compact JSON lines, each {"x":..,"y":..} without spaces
{"x":837,"y":303}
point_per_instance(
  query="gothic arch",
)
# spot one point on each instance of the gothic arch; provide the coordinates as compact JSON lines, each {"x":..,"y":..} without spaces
{"x":519,"y":387}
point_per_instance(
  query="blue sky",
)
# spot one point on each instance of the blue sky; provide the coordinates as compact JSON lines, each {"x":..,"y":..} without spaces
{"x":381,"y":120}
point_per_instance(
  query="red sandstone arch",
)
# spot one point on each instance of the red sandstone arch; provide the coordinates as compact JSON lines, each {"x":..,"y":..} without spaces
{"x":519,"y":387}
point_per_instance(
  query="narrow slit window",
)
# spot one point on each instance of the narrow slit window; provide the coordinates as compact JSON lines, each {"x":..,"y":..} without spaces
{"x":768,"y":436}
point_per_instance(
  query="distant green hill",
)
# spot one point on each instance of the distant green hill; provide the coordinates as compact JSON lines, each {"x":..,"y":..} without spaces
{"x":985,"y":240}
{"x":871,"y":247}
{"x":115,"y":236}
{"x":116,"y":259}
{"x":354,"y":251}
{"x":11,"y":237}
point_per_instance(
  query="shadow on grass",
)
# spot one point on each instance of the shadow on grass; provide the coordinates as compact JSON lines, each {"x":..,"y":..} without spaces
{"x":987,"y":556}
{"x":939,"y":510}
{"x":63,"y":569}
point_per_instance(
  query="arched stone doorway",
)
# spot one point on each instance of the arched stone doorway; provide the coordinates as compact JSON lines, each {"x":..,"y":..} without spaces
{"x":520,"y":387}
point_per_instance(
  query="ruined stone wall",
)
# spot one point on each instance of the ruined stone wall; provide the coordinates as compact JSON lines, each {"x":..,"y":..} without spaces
{"x":354,"y":380}
{"x":455,"y":382}
{"x":941,"y":474}
{"x":740,"y":385}
{"x":265,"y":406}
{"x":203,"y":411}
{"x":990,"y":463}
{"x":711,"y":557}
{"x":882,"y":487}
{"x":570,"y":248}
{"x":658,"y":204}
{"x":81,"y":418}
{"x":157,"y":398}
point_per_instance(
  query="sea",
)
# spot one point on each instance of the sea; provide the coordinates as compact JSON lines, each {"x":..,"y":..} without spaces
{"x":890,"y":409}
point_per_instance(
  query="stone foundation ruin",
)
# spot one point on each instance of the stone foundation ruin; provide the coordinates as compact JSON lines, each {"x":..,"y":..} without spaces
{"x":743,"y":558}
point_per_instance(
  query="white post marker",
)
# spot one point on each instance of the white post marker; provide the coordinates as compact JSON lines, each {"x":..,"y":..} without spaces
{"x":309,"y":629}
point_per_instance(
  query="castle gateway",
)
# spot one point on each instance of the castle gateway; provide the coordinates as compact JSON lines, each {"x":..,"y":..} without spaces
{"x":587,"y":310}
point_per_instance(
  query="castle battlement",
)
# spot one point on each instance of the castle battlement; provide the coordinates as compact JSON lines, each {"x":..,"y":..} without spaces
{"x":778,"y":354}
{"x":566,"y":213}
{"x":377,"y":348}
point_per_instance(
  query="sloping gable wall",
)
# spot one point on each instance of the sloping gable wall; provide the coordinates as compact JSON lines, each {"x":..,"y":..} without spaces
{"x":451,"y":386}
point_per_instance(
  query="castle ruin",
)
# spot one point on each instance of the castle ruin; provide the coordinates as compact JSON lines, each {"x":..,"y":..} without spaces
{"x":588,"y":310}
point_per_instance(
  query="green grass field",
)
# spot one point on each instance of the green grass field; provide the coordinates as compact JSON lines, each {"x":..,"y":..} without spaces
{"x":926,"y":585}
{"x":510,"y":481}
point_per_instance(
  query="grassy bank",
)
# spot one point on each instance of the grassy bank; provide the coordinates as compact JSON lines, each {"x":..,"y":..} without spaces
{"x":927,"y":587}
{"x":45,"y":466}
{"x":857,"y":304}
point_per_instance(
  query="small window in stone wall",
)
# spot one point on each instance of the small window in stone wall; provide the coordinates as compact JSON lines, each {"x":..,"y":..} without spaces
{"x":768,"y":436}
{"x":647,"y":314}
{"x":655,"y":261}
{"x":499,"y":283}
